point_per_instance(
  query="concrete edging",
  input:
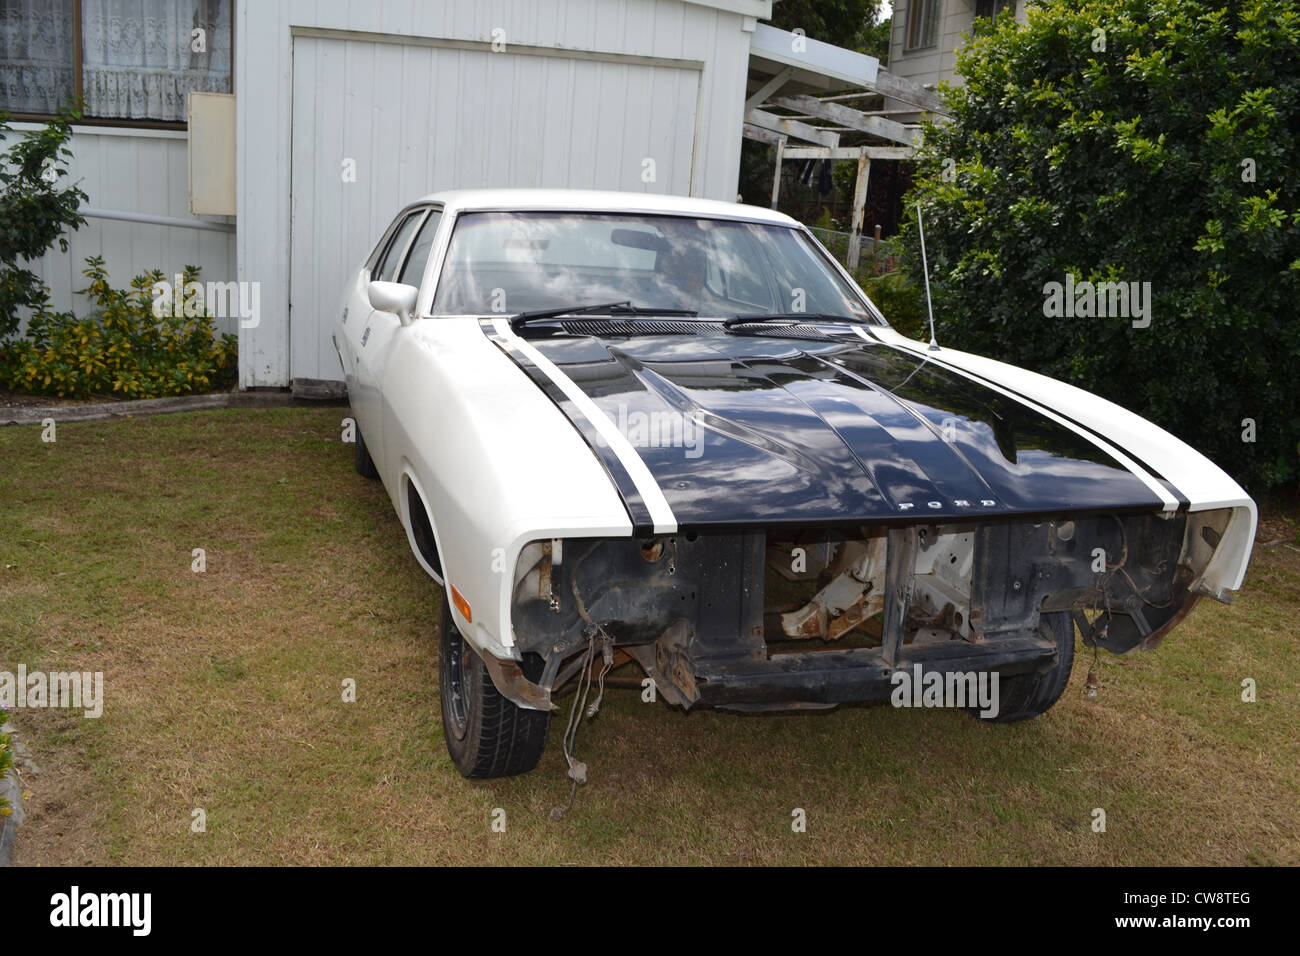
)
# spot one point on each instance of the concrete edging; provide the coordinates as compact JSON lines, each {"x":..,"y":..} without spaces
{"x":35,"y":414}
{"x":11,"y":788}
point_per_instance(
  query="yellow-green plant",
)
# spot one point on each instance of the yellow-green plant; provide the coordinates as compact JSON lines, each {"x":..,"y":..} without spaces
{"x":123,"y":349}
{"x":6,"y":759}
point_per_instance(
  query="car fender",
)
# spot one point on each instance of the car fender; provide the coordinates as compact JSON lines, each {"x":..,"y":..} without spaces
{"x":495,"y":462}
{"x":1202,"y":483}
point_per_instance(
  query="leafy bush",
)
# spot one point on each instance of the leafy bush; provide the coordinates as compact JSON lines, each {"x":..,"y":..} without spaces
{"x":6,"y":759}
{"x":1144,"y":141}
{"x":34,"y":211}
{"x":901,"y":300}
{"x":124,"y":349}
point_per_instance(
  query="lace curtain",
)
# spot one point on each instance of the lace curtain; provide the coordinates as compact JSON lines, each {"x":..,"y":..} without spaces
{"x":137,"y":56}
{"x":35,"y":55}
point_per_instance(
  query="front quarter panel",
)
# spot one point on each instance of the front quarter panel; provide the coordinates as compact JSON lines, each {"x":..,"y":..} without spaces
{"x":1205,"y":486}
{"x":497,"y":463}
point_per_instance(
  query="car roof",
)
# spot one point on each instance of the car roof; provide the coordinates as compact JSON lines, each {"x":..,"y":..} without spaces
{"x":595,"y":200}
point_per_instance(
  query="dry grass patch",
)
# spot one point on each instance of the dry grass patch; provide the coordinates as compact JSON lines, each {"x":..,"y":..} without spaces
{"x":224,"y":692}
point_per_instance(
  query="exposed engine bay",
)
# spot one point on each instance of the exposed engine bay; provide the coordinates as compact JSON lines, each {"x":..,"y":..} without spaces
{"x":815,"y":617}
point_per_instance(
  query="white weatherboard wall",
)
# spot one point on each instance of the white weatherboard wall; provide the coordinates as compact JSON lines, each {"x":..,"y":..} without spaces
{"x":132,"y":171}
{"x":413,"y":92}
{"x":929,"y":65}
{"x":412,"y":117}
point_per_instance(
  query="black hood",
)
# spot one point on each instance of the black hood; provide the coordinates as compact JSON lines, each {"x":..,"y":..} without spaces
{"x":759,"y":428}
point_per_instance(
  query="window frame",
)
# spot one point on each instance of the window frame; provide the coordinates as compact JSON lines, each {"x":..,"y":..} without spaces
{"x":429,"y":213}
{"x":78,"y":89}
{"x":913,"y":17}
{"x":438,"y":257}
{"x":381,"y":246}
{"x":417,"y":214}
{"x":999,"y":7}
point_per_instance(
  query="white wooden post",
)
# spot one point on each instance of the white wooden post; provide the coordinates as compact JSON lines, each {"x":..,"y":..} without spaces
{"x":859,"y":202}
{"x":776,"y":179}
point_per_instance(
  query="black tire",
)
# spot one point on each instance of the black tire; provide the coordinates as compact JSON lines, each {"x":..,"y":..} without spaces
{"x":361,"y":456}
{"x":1023,"y":696}
{"x":487,"y":734}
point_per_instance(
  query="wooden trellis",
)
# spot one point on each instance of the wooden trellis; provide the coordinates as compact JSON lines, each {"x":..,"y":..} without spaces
{"x":786,"y":73}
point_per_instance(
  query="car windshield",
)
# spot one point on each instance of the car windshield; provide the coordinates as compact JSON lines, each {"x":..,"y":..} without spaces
{"x":512,"y":262}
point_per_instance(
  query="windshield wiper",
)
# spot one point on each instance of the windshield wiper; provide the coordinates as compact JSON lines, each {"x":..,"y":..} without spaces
{"x":792,"y":317}
{"x":612,"y":308}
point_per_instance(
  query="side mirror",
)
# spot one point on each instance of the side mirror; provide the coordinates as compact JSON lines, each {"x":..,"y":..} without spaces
{"x":394,"y":297}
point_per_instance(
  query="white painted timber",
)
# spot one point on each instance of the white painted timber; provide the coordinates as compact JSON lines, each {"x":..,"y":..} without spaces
{"x":577,"y":94}
{"x":211,"y":128}
{"x":813,"y":56}
{"x":133,"y":171}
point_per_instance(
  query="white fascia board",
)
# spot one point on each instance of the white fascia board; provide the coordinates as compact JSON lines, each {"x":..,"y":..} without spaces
{"x":848,"y":66}
{"x":762,"y":9}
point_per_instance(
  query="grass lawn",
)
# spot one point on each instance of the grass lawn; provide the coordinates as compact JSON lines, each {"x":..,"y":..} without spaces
{"x":224,"y":692}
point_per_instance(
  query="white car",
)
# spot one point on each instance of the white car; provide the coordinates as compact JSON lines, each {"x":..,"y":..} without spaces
{"x":676,"y":429}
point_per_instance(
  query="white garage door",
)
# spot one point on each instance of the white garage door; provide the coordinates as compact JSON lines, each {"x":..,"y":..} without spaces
{"x":407,"y":120}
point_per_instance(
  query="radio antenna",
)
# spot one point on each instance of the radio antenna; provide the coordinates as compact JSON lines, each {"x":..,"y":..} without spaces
{"x":925,"y":268}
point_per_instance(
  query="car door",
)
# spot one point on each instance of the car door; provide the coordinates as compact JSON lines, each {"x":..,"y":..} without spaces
{"x":368,"y":332}
{"x":386,"y":329}
{"x":356,"y":310}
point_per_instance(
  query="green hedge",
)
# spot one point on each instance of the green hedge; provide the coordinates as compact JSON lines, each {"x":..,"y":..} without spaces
{"x":36,"y":210}
{"x":124,"y":349}
{"x":1139,"y":141}
{"x":6,"y":759}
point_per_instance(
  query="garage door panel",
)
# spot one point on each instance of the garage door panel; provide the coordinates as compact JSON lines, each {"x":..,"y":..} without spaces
{"x":557,"y":132}
{"x":612,"y":143}
{"x":529,"y":123}
{"x":582,"y":153}
{"x":303,"y":190}
{"x":416,"y":119}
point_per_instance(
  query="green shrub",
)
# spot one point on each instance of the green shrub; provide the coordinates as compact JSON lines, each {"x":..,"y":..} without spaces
{"x":6,"y":759}
{"x":901,"y":300}
{"x":124,"y":349}
{"x":1170,"y":157}
{"x":34,"y":211}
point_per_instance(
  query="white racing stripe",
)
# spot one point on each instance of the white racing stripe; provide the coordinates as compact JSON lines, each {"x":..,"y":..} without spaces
{"x":665,"y":522}
{"x":1170,"y":503}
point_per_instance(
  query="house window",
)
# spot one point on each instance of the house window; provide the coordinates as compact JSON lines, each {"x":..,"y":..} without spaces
{"x":131,"y":61}
{"x":990,"y":9}
{"x":987,"y":11}
{"x":923,"y":23}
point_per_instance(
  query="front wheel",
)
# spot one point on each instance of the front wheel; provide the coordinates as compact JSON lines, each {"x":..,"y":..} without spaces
{"x":1022,"y":696}
{"x":487,"y":734}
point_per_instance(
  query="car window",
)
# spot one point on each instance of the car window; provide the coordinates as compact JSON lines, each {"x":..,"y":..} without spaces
{"x":519,"y":261}
{"x":730,"y":273}
{"x":386,"y":269}
{"x":377,"y":254}
{"x":413,"y":271}
{"x":804,"y":280}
